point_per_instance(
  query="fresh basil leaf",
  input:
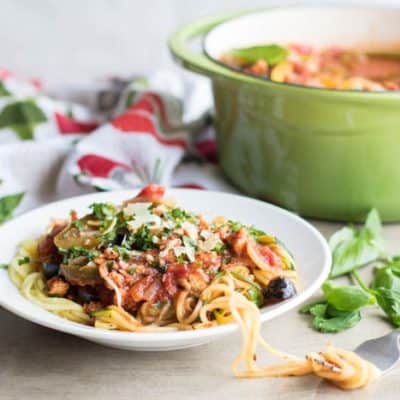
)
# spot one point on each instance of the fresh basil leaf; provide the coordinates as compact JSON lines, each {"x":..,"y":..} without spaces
{"x":337,"y":324}
{"x":386,"y":286}
{"x":342,"y":235}
{"x":272,"y":54}
{"x":385,"y":277}
{"x":306,"y":309}
{"x":328,"y":319}
{"x":394,"y":264}
{"x":389,"y":301}
{"x":374,"y":225}
{"x":346,"y":298}
{"x":8,"y":204}
{"x":318,"y":310}
{"x":353,"y":248}
{"x":3,"y":266}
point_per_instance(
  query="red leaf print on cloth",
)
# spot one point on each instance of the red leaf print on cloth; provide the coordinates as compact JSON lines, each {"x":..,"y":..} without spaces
{"x":37,"y":83}
{"x":208,"y":149}
{"x":100,"y":167}
{"x":68,"y":125}
{"x":154,"y":104}
{"x":5,"y":73}
{"x":144,"y":104}
{"x":138,"y":122}
{"x":191,"y":186}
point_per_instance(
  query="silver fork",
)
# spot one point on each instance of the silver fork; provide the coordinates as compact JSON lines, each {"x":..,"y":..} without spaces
{"x":384,"y":351}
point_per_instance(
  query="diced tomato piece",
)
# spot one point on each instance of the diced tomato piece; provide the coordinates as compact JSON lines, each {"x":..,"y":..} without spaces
{"x":152,"y":193}
{"x":170,"y":278}
{"x":272,"y":258}
{"x":169,"y":282}
{"x":238,"y":241}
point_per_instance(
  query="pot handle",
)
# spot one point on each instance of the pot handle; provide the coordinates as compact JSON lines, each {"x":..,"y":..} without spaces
{"x":197,"y":61}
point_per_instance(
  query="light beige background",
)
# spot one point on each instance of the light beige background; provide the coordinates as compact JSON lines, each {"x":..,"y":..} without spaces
{"x":74,"y":40}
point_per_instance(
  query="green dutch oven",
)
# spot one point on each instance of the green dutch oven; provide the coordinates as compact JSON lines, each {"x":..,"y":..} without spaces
{"x":322,"y":153}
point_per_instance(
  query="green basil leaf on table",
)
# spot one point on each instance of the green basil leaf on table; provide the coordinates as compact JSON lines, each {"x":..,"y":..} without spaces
{"x":317,"y":308}
{"x":346,"y":298}
{"x":337,"y":324}
{"x":386,"y":286}
{"x":354,"y":248}
{"x":389,"y":302}
{"x":272,"y":54}
{"x":8,"y":204}
{"x":394,"y":264}
{"x":386,"y":277}
{"x":327,"y":319}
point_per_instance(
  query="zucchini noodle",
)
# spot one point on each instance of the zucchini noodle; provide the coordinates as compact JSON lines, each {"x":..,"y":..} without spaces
{"x":32,"y":286}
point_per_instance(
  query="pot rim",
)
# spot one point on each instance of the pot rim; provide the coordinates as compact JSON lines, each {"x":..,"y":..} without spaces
{"x":205,"y":64}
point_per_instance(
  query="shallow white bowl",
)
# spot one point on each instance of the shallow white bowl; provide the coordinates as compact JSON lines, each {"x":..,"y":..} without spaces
{"x":308,"y":247}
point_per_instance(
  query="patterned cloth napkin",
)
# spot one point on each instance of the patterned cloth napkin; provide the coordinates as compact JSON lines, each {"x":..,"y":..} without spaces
{"x":109,"y":135}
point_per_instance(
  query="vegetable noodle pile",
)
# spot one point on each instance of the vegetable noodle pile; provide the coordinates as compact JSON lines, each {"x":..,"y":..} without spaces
{"x":153,"y":265}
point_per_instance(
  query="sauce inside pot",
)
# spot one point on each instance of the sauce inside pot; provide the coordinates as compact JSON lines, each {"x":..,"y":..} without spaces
{"x":330,"y":67}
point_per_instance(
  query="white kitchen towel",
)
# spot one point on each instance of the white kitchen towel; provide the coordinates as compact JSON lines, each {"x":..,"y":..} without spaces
{"x":113,"y":134}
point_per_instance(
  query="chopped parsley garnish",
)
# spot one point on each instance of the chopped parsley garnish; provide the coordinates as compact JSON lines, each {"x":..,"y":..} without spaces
{"x":3,"y":266}
{"x":103,"y":210}
{"x":256,"y":233}
{"x":227,"y":260}
{"x":220,"y":247}
{"x":178,"y":216}
{"x":79,"y":225}
{"x":188,"y":242}
{"x":235,"y":226}
{"x":122,"y":251}
{"x":76,"y":251}
{"x":24,"y":260}
{"x":181,"y":259}
{"x":142,"y":239}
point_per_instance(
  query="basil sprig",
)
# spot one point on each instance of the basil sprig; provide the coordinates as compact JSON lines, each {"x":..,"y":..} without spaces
{"x":272,"y":54}
{"x":352,"y":248}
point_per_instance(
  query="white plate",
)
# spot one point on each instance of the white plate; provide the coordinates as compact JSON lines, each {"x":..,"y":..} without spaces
{"x":308,"y":247}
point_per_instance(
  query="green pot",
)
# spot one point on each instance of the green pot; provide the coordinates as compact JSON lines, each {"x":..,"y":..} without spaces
{"x":321,"y":153}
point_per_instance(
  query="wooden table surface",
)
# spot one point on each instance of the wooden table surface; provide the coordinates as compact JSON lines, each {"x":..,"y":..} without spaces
{"x":38,"y":363}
